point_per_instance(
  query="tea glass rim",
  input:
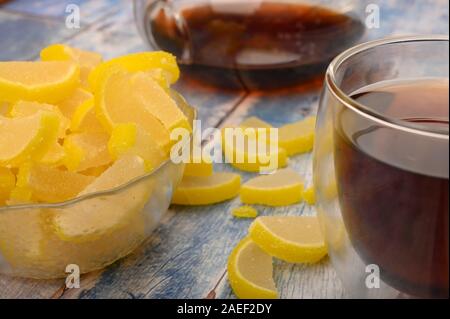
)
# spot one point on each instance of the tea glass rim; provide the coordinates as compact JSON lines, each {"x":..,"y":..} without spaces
{"x":361,"y":109}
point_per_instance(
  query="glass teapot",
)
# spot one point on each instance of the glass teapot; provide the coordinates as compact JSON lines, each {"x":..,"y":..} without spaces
{"x":267,"y":43}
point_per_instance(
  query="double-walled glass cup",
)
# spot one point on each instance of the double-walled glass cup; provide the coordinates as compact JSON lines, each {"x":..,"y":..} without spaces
{"x":262,"y":44}
{"x":382,"y":181}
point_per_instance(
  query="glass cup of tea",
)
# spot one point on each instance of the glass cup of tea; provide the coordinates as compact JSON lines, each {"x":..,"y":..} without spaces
{"x":381,"y":167}
{"x":262,"y":44}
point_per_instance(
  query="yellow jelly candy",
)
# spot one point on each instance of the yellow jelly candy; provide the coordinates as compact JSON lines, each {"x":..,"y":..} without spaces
{"x":309,"y":196}
{"x":95,"y":171}
{"x":245,"y":212}
{"x":117,"y":90}
{"x":85,"y":150}
{"x":49,"y":184}
{"x":205,"y":190}
{"x":7,"y":183}
{"x":54,"y":156}
{"x":135,"y":62}
{"x":81,"y":224}
{"x":73,"y":101}
{"x":250,"y":272}
{"x":244,"y":152}
{"x":159,"y":102}
{"x":46,"y":82}
{"x":296,"y":239}
{"x":298,"y":137}
{"x":130,"y":138}
{"x":284,"y":187}
{"x":26,"y":108}
{"x":21,"y":238}
{"x":27,"y":137}
{"x":198,"y":166}
{"x":85,"y":59}
{"x":85,"y":120}
{"x":5,"y":108}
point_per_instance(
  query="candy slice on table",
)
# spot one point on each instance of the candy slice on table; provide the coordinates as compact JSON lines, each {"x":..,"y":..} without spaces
{"x":7,"y":183}
{"x":250,"y":272}
{"x":296,"y":239}
{"x":50,"y":184}
{"x":249,"y":156}
{"x":86,"y":60}
{"x":135,"y":62}
{"x":284,"y":187}
{"x":27,"y":108}
{"x":205,"y":190}
{"x":244,"y":212}
{"x":130,"y":138}
{"x":27,"y":137}
{"x":98,"y":216}
{"x":116,"y":91}
{"x":86,"y":150}
{"x":298,"y":137}
{"x":47,"y":82}
{"x":72,"y":102}
{"x":258,"y":124}
{"x":198,"y":166}
{"x":84,"y":118}
{"x":309,"y":196}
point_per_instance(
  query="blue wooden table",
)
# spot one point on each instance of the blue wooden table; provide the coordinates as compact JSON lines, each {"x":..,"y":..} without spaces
{"x":186,"y":255}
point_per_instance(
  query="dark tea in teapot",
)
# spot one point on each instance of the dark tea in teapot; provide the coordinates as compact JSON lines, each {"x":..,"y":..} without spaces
{"x":262,"y":45}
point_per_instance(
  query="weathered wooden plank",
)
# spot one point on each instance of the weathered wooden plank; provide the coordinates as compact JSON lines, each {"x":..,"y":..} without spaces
{"x":28,"y":288}
{"x":27,"y":26}
{"x":21,"y":38}
{"x":114,"y":35}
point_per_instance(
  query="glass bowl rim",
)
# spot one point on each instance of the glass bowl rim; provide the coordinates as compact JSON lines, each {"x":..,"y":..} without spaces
{"x":107,"y":192}
{"x":361,"y":109}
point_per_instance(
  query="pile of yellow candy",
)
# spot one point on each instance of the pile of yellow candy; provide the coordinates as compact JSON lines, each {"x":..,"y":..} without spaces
{"x":66,"y":119}
{"x":70,"y":125}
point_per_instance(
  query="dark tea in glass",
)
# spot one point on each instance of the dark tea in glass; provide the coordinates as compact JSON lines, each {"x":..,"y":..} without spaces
{"x":394,"y":219}
{"x":381,"y":167}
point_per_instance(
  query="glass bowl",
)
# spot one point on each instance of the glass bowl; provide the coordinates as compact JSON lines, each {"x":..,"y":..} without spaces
{"x":31,"y":246}
{"x":382,"y":182}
